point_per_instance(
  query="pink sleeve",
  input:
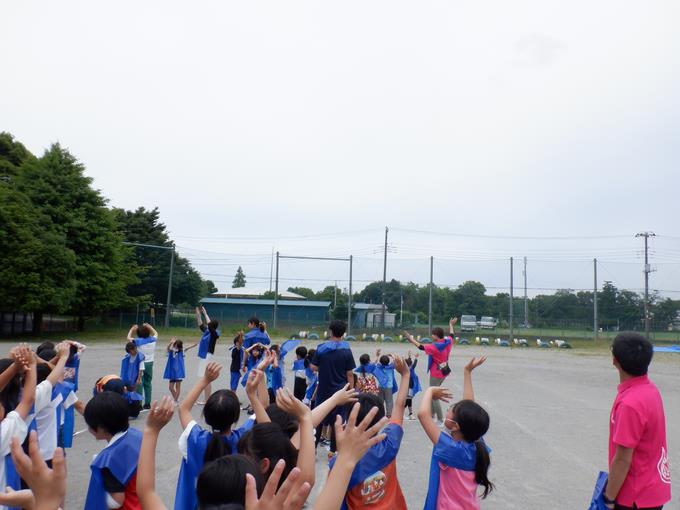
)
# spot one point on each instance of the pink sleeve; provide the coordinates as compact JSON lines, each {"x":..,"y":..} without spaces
{"x":430,"y":349}
{"x":628,"y":427}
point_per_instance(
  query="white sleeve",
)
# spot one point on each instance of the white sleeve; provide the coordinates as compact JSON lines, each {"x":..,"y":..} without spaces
{"x":184,"y":438}
{"x":71,"y":399}
{"x":43,"y":395}
{"x":11,"y":426}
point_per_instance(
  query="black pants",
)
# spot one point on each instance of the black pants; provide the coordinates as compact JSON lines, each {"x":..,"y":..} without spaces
{"x":330,"y":420}
{"x":621,"y":507}
{"x":300,"y":388}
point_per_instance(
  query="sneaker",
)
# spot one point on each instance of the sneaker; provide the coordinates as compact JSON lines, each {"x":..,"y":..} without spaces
{"x":250,"y":412}
{"x":147,"y":406}
{"x":411,"y":417}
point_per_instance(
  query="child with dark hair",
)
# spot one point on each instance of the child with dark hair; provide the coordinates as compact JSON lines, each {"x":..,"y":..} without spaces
{"x":363,"y":490}
{"x":387,"y":384}
{"x":174,"y":368}
{"x":145,"y":337}
{"x":255,"y":335}
{"x":312,"y":379}
{"x":113,"y":480}
{"x":114,"y":383}
{"x":639,"y":472}
{"x":237,"y":355}
{"x":221,"y":413}
{"x":132,"y":368}
{"x":266,"y":443}
{"x":366,"y":381}
{"x":460,"y":458}
{"x":299,"y":366}
{"x":413,"y":385}
{"x":273,"y":373}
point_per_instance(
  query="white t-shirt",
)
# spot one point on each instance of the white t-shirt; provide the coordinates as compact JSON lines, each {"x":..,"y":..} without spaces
{"x":11,"y":426}
{"x":147,"y":346}
{"x":46,"y":418}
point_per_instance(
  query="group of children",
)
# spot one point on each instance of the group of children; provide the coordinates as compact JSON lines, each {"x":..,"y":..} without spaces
{"x":223,"y":463}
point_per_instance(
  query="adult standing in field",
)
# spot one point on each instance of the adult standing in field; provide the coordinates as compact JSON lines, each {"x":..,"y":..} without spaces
{"x":206,"y":346}
{"x":334,"y":362}
{"x":145,"y":337}
{"x":438,"y":360}
{"x":639,"y":473}
{"x":256,"y":335}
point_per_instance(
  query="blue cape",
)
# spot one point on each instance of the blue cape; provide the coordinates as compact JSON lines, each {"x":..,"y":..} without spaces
{"x":197,"y":443}
{"x":139,"y":341}
{"x":456,"y":454}
{"x":416,"y":382}
{"x":121,"y":459}
{"x":311,"y":387}
{"x":298,"y":364}
{"x":276,"y":377}
{"x":597,"y":502}
{"x":66,"y":432}
{"x":130,"y":371}
{"x":382,"y":374}
{"x":174,"y":367}
{"x":440,"y":347}
{"x":288,"y":346}
{"x":255,"y":336}
{"x":73,"y":364}
{"x":203,"y":344}
{"x":12,"y":478}
{"x":331,"y":345}
{"x":251,"y":363}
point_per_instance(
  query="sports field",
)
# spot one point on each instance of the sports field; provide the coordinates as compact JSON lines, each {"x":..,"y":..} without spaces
{"x":549,"y":422}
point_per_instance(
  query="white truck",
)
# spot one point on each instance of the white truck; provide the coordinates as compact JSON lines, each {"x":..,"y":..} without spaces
{"x":468,"y":323}
{"x":488,"y":323}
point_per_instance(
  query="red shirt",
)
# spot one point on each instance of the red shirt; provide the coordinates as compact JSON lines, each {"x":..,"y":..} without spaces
{"x":638,"y":421}
{"x":438,"y":357}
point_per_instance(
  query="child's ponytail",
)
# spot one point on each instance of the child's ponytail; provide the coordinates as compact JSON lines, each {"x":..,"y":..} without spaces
{"x":217,"y":447}
{"x":482,"y":468}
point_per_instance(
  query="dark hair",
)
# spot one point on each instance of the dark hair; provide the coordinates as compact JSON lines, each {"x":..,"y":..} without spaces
{"x":633,"y":352}
{"x":288,"y":424}
{"x":262,"y":327}
{"x":143,"y":331}
{"x":179,"y":345}
{"x":275,"y":348}
{"x":72,"y":351}
{"x":384,"y":360}
{"x":47,"y":354}
{"x":108,"y":411}
{"x":267,"y":441}
{"x":438,"y":332}
{"x":254,"y":321}
{"x":221,"y":411}
{"x":43,"y":370}
{"x":337,"y":328}
{"x":238,"y":338}
{"x":408,"y":362}
{"x":301,"y":352}
{"x":46,"y":345}
{"x":368,"y":401}
{"x":223,"y":481}
{"x":9,"y":396}
{"x":130,"y":346}
{"x":473,"y":421}
{"x":213,"y":325}
{"x":310,"y":354}
{"x":115,"y":385}
{"x":364,"y":360}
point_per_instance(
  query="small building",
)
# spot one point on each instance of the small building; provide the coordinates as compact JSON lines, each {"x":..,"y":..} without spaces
{"x":290,"y":311}
{"x":368,"y":316}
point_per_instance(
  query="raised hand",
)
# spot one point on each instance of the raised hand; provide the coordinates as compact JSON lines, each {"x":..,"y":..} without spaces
{"x":160,"y":414}
{"x":254,"y":378}
{"x":277,"y":500}
{"x":453,"y":321}
{"x":354,"y":440}
{"x":345,"y":395}
{"x":212,"y":371}
{"x":442,"y":394}
{"x":474,"y":363}
{"x":400,"y":365}
{"x":287,"y":402}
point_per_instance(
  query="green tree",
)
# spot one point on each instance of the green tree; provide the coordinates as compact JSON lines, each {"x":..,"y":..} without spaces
{"x":239,"y":279}
{"x":12,"y":156}
{"x":57,"y":185}
{"x":37,"y":270}
{"x":665,"y":312}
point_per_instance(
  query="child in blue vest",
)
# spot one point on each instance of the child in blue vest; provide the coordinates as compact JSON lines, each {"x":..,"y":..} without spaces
{"x":460,"y":458}
{"x":237,"y":355}
{"x":132,"y":367}
{"x":414,"y":383}
{"x":221,"y":413}
{"x":113,"y":482}
{"x":174,"y":367}
{"x":387,"y":384}
{"x":300,"y":379}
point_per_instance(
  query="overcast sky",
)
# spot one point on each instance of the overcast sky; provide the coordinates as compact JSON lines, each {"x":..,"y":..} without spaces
{"x":310,"y":126}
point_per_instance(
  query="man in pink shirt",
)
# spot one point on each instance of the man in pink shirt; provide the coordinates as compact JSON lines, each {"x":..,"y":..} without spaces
{"x":639,"y":473}
{"x":438,"y":360}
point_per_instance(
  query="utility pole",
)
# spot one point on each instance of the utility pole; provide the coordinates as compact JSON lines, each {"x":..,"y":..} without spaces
{"x":349,"y":298}
{"x":276,"y":292}
{"x":335,"y":296}
{"x":526,"y":299}
{"x":271,"y":270}
{"x":384,"y":282}
{"x":429,"y":307}
{"x":647,"y":270}
{"x":167,"y":306}
{"x":511,"y":305}
{"x":401,"y":305}
{"x":595,"y":326}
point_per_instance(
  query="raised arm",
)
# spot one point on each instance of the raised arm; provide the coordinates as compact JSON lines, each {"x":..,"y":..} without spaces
{"x":190,"y":347}
{"x":199,"y":320}
{"x":212,"y":372}
{"x":399,"y":404}
{"x":253,"y":388}
{"x":58,"y":371}
{"x":205,"y":314}
{"x":424,"y":412}
{"x":159,"y":416}
{"x":132,"y":333}
{"x":306,"y":454}
{"x":412,"y":340}
{"x":468,"y":392}
{"x":21,"y":356}
{"x":345,"y":395}
{"x":28,"y":394}
{"x":152,"y":330}
{"x":452,"y":323}
{"x":262,"y":392}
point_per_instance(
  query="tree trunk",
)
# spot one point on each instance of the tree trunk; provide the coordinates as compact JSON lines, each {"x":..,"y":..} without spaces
{"x":37,"y":323}
{"x":81,"y":323}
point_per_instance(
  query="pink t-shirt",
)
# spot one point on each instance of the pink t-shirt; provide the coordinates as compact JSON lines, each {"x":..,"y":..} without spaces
{"x":638,"y":421}
{"x":457,"y":489}
{"x":438,"y":356}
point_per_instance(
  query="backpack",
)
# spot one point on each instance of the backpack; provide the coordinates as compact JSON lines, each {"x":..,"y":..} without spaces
{"x":367,"y":383}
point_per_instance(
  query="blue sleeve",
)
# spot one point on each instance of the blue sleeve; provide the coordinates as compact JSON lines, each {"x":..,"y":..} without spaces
{"x":456,"y":454}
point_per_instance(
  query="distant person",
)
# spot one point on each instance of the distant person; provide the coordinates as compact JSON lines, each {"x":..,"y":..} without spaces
{"x":256,"y":335}
{"x":299,"y":366}
{"x":413,"y":384}
{"x":334,"y":362}
{"x":206,"y":346}
{"x":132,"y":367}
{"x":366,"y":381}
{"x":639,"y":473}
{"x":175,"y":371}
{"x":438,"y":360}
{"x":145,"y":336}
{"x":237,"y":356}
{"x":384,"y":373}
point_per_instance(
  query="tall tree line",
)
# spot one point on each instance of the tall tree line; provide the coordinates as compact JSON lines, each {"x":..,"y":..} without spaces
{"x":62,"y":248}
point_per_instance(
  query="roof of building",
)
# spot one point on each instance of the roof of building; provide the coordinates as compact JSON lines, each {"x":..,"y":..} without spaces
{"x":254,"y":292}
{"x":366,"y":306}
{"x":264,"y":302}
